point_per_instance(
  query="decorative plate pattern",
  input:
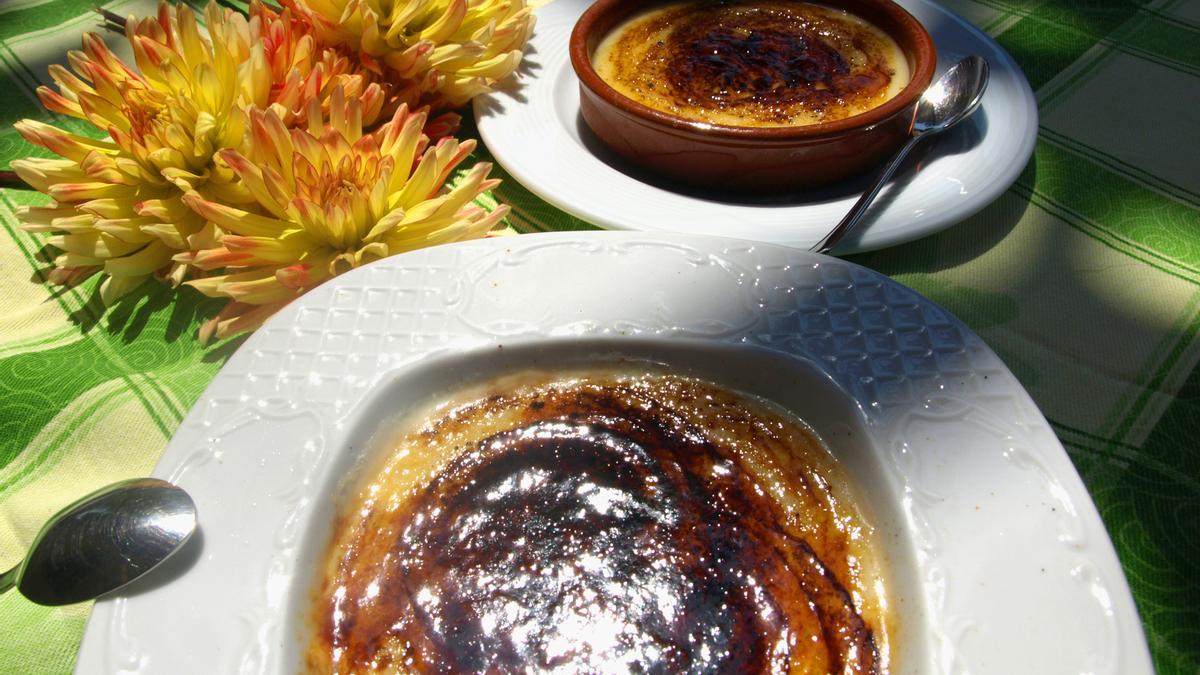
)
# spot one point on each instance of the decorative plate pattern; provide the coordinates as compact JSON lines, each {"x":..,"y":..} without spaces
{"x":1015,"y":571}
{"x":534,"y":130}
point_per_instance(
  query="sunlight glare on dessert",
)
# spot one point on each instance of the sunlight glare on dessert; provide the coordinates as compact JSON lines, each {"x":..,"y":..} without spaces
{"x":601,"y":519}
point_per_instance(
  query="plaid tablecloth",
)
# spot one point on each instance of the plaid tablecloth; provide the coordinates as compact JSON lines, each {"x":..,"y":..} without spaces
{"x":1084,"y":277}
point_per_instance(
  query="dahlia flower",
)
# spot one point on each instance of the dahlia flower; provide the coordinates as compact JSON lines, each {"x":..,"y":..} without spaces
{"x":326,"y":200}
{"x":437,"y":53}
{"x":118,"y":205}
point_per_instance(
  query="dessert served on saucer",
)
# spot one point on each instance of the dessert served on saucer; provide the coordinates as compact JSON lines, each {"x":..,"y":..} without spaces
{"x":751,"y":95}
{"x":609,"y":519}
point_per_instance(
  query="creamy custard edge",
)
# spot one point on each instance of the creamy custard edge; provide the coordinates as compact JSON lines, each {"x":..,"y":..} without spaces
{"x":752,"y":63}
{"x":767,"y":494}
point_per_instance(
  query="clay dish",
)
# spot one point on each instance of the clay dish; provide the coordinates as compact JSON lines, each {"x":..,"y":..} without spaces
{"x":750,"y":158}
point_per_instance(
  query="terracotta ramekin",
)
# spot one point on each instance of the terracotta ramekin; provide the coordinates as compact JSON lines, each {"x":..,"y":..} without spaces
{"x":745,"y":159}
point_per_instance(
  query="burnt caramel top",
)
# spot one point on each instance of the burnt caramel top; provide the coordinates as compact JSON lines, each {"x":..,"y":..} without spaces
{"x":599,"y":525}
{"x":752,"y":62}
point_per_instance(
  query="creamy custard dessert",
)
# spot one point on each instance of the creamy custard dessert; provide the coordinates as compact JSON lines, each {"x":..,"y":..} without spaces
{"x":752,"y":63}
{"x":608,"y":520}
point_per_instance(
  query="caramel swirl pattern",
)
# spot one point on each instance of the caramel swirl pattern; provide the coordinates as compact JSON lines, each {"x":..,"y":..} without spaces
{"x":763,"y":62}
{"x":598,"y":529}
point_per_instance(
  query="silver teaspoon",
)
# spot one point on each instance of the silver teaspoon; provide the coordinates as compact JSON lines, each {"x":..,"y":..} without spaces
{"x":950,"y":100}
{"x":104,"y":541}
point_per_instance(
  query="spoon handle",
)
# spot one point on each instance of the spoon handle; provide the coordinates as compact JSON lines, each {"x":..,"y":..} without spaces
{"x":860,"y":207}
{"x":8,"y":579}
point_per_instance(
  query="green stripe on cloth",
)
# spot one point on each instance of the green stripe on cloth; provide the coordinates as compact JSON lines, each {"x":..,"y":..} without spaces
{"x":1095,"y":18}
{"x":34,"y":386}
{"x":1138,"y":408}
{"x":1150,"y":507}
{"x":1044,"y":50}
{"x":73,"y":380}
{"x":48,"y":636}
{"x":1121,"y":167}
{"x":79,"y":454}
{"x":990,"y":16}
{"x":1125,"y":214}
{"x":1187,"y":336}
{"x":17,"y":106}
{"x":44,"y":15}
{"x":1164,"y":41}
{"x":49,"y":445}
{"x":29,"y":18}
{"x":1053,"y":35}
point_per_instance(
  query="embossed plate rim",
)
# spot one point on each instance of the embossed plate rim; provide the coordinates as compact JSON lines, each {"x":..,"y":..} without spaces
{"x":951,"y":420}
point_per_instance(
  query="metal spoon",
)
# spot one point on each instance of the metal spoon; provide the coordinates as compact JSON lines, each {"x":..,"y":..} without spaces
{"x":104,"y":541}
{"x":945,"y":103}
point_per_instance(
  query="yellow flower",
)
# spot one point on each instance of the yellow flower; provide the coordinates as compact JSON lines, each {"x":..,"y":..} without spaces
{"x":328,"y":199}
{"x":432,"y":52}
{"x":302,"y":69}
{"x":118,"y":201}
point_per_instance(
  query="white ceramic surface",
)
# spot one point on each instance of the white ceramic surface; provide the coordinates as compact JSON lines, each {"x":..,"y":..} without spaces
{"x":1000,"y":562}
{"x":534,"y":131}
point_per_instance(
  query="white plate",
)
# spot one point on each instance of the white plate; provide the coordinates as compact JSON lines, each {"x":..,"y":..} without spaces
{"x":534,"y":131}
{"x":1001,"y":564}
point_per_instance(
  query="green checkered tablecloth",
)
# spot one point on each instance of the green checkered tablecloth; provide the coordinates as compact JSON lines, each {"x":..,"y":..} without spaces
{"x":1084,"y":277}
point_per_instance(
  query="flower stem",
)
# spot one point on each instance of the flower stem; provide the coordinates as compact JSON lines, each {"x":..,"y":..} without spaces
{"x":10,"y":179}
{"x":112,"y":20}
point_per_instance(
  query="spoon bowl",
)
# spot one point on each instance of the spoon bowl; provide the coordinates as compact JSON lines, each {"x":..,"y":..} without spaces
{"x":948,"y":101}
{"x":104,"y":541}
{"x":953,"y":98}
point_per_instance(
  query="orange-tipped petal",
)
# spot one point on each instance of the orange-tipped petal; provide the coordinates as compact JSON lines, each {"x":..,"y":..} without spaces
{"x":71,"y":276}
{"x":233,"y":220}
{"x":56,"y":102}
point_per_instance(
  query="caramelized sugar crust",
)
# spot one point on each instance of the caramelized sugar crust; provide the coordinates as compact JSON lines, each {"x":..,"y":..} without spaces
{"x":649,"y":524}
{"x":753,"y":62}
